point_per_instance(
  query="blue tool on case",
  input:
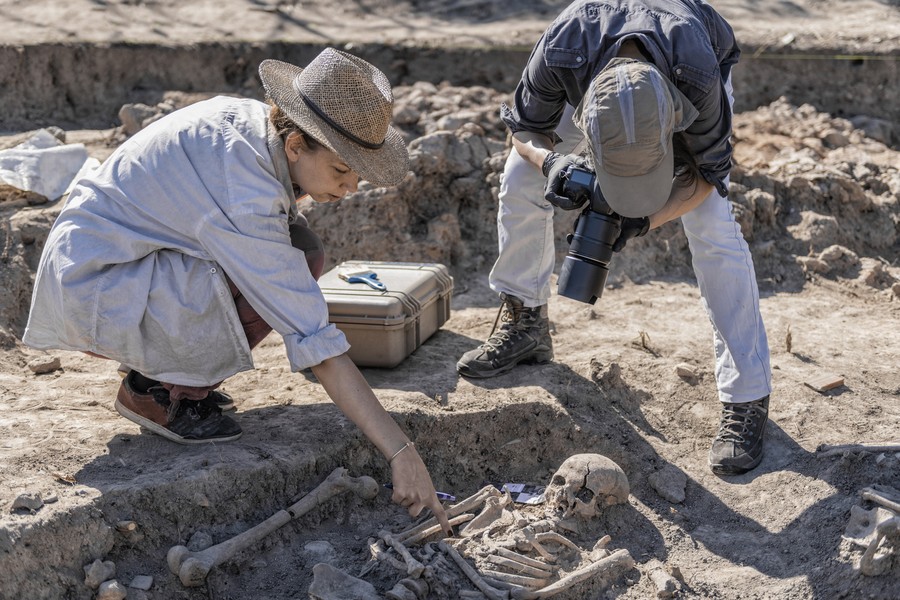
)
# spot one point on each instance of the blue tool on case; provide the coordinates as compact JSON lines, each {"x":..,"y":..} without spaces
{"x":368,"y":277}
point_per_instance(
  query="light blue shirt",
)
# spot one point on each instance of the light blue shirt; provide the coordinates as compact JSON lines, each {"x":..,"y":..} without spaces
{"x":134,"y":267}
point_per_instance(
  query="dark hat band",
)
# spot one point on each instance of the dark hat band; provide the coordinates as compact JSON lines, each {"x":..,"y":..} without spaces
{"x":337,"y":127}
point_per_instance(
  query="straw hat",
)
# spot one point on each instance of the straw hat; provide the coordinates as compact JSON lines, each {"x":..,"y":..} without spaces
{"x":629,"y":115}
{"x":346,"y":104}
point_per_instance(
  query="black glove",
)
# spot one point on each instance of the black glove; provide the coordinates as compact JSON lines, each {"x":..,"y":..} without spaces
{"x":555,"y":168}
{"x":631,"y":228}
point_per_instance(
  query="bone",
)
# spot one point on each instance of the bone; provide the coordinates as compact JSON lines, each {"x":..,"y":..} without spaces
{"x":489,"y":591}
{"x":879,"y":498}
{"x":492,"y":512}
{"x":620,"y":560}
{"x":380,"y":553}
{"x":527,"y":560}
{"x":833,"y":450}
{"x":552,"y":536}
{"x":519,"y":567}
{"x":526,"y":582}
{"x":413,"y":566}
{"x":426,"y":533}
{"x":475,"y":500}
{"x":193,"y":567}
{"x":872,"y":565}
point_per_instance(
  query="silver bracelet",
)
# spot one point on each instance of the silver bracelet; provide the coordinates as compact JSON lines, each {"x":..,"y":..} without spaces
{"x":404,"y":447}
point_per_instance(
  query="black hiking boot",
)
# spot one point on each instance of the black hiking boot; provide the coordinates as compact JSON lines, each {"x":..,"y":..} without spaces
{"x":524,"y":337}
{"x":182,"y":421}
{"x":738,"y":445}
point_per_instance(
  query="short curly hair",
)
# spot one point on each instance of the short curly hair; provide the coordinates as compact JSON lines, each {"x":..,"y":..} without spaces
{"x":284,"y":126}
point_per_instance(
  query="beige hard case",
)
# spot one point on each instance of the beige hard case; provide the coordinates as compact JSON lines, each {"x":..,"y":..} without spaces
{"x":384,"y":327}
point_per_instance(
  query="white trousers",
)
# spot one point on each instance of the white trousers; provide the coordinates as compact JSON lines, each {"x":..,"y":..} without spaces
{"x":721,"y":259}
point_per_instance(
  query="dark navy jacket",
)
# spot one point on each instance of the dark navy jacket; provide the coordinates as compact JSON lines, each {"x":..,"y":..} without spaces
{"x":687,"y":40}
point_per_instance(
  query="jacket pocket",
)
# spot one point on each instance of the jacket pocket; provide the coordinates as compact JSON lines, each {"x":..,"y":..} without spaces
{"x":564,"y":57}
{"x":697,"y":78}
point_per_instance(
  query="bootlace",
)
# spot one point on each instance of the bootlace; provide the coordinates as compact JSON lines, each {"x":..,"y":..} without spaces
{"x":513,"y":321}
{"x":737,"y":420}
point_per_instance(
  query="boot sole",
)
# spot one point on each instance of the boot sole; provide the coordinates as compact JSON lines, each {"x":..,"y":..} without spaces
{"x":537,"y":358}
{"x":720,"y":469}
{"x":162,"y":431}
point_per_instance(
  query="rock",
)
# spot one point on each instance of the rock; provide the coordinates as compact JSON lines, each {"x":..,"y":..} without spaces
{"x":319,"y":551}
{"x":97,"y":572}
{"x":29,"y":500}
{"x":685,"y":371}
{"x":44,"y":364}
{"x":111,"y":590}
{"x":142,"y":582}
{"x":669,"y":482}
{"x":126,"y":526}
{"x":134,"y":115}
{"x":666,"y":585}
{"x":330,"y":583}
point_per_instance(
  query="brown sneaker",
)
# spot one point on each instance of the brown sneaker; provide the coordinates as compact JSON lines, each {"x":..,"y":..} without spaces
{"x":182,"y":421}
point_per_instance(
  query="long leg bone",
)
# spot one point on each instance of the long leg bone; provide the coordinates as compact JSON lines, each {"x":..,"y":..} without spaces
{"x":192,"y":567}
{"x":618,"y":560}
{"x":491,"y":592}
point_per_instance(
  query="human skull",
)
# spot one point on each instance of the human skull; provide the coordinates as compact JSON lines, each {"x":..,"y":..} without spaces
{"x":585,"y":484}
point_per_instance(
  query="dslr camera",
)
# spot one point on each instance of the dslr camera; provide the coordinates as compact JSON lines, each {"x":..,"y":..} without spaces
{"x":586,"y":266}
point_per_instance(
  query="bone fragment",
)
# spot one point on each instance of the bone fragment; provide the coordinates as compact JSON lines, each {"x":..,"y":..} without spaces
{"x":519,"y":567}
{"x":527,"y":560}
{"x":516,"y":592}
{"x":492,"y":511}
{"x":473,"y":501}
{"x":879,"y":498}
{"x":552,"y":536}
{"x":379,"y":552}
{"x":527,"y":582}
{"x":873,"y":565}
{"x":599,"y":550}
{"x":192,"y":567}
{"x":430,"y":531}
{"x":400,"y":592}
{"x":829,"y":450}
{"x":530,"y":542}
{"x":489,"y":591}
{"x":471,"y":595}
{"x":413,"y":566}
{"x":620,"y":560}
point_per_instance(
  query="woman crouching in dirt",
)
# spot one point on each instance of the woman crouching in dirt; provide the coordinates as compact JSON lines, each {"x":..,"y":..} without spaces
{"x":185,"y":249}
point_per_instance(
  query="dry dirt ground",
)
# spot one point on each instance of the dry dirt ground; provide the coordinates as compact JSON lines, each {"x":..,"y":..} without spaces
{"x":818,"y":199}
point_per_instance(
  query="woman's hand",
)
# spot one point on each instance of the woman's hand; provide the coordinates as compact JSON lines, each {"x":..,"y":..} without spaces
{"x":351,"y":393}
{"x":413,"y":489}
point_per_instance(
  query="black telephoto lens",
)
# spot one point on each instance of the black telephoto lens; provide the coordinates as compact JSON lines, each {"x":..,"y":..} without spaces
{"x":585,"y":269}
